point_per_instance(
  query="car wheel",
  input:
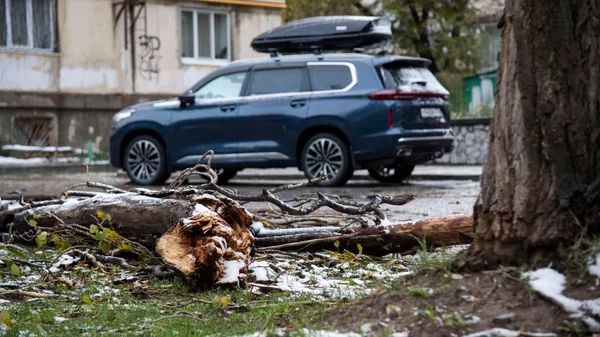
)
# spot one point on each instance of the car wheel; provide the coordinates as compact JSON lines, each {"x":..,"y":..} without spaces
{"x":326,"y":154}
{"x":392,"y":174}
{"x":145,"y":161}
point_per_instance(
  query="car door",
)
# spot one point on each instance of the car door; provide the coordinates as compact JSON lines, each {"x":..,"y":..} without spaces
{"x":277,"y":102}
{"x":209,"y":123}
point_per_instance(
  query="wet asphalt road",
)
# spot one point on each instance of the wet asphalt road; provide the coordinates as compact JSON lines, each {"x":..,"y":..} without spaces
{"x":433,"y":197}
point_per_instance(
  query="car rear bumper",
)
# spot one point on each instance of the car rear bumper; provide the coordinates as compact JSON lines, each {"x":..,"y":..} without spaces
{"x":412,"y":146}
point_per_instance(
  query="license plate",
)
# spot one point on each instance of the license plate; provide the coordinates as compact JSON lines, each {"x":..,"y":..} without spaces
{"x":431,"y":113}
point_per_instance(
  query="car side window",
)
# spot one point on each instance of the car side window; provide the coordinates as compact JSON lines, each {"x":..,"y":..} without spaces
{"x":277,"y":81}
{"x":329,"y":77}
{"x":226,"y":86}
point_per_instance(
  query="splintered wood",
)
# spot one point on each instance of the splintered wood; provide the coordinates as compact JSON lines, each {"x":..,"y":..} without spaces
{"x":213,"y":245}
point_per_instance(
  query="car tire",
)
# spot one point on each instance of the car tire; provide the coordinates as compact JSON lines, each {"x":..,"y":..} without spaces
{"x":386,"y":175}
{"x":145,"y":161}
{"x":323,"y":153}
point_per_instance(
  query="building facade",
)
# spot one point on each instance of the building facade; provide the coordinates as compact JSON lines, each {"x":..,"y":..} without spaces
{"x":67,"y":65}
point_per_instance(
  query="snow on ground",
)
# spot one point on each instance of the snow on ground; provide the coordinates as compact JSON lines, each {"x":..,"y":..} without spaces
{"x":36,"y":162}
{"x":551,"y":284}
{"x":29,"y":148}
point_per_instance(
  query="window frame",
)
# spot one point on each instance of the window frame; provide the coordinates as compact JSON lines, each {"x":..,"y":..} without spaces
{"x":196,"y":60}
{"x":29,"y":21}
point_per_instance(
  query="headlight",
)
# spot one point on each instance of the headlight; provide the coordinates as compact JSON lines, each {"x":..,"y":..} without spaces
{"x":122,"y":115}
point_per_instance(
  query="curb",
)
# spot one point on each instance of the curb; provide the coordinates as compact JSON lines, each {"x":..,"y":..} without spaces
{"x":55,"y":169}
{"x":62,"y":169}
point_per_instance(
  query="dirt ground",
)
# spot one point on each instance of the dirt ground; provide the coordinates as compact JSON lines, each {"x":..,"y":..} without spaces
{"x":461,"y":304}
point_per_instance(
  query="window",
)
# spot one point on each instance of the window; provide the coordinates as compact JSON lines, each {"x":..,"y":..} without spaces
{"x":275,"y":81}
{"x":406,"y":77}
{"x":330,"y":77}
{"x":27,"y":24}
{"x":205,"y":35}
{"x":226,"y":86}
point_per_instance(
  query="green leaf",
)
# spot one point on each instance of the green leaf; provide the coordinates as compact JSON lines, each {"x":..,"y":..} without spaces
{"x":5,"y":318}
{"x":32,"y":223}
{"x":112,"y":235}
{"x":16,"y":253}
{"x":60,"y":243}
{"x":94,"y":229}
{"x":36,"y":216}
{"x":101,"y":216}
{"x":86,"y":299}
{"x":223,"y":301}
{"x":360,"y":248}
{"x":98,"y":237}
{"x":14,"y":269}
{"x":104,"y":245}
{"x":41,"y":239}
{"x":125,"y":247}
{"x":336,"y":244}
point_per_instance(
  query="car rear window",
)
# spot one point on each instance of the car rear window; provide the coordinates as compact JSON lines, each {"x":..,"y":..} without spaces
{"x":410,"y":78}
{"x":329,"y":77}
{"x":276,"y":81}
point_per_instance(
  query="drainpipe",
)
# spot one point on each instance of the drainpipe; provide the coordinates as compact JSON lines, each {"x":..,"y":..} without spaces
{"x":131,"y":9}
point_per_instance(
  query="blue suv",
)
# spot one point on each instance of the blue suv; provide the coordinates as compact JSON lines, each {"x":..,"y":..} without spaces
{"x":326,"y":114}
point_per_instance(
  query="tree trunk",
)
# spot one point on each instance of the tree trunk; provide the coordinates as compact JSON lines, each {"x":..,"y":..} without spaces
{"x":541,"y":180}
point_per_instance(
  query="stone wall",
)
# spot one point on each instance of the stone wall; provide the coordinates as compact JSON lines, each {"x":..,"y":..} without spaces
{"x":471,"y":137}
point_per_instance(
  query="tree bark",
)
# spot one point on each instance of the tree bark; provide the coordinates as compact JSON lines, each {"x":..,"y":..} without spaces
{"x":137,"y":217}
{"x":377,"y":241}
{"x":541,"y":179}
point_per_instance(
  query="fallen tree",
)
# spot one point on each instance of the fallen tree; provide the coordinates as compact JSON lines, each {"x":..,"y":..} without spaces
{"x":204,"y":233}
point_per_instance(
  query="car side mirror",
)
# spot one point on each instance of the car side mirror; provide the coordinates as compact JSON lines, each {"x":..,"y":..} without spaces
{"x":185,"y":101}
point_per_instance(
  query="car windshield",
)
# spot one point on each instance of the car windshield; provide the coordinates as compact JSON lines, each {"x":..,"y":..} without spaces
{"x":410,"y":78}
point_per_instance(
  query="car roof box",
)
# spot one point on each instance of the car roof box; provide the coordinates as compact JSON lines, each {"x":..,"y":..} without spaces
{"x":325,"y":33}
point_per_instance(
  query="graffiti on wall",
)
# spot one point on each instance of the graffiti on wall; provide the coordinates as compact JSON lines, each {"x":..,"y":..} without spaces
{"x":149,"y":57}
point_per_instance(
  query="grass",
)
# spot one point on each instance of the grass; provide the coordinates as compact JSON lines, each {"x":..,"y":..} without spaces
{"x":170,"y":310}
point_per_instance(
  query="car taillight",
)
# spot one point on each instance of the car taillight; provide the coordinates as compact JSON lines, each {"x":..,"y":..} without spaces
{"x":400,"y":95}
{"x":390,"y":118}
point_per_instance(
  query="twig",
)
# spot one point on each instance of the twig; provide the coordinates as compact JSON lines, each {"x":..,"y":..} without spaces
{"x":25,"y":293}
{"x":89,"y":257}
{"x":307,"y":243}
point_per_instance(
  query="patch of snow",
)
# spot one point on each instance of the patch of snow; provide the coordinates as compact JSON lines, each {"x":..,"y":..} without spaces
{"x":199,"y":208}
{"x":499,"y":332}
{"x":594,"y":265}
{"x":399,"y":334}
{"x":231,"y":271}
{"x":3,"y":301}
{"x":473,"y":320}
{"x":366,"y":328}
{"x":28,"y":148}
{"x":469,"y":298}
{"x":551,"y":284}
{"x":261,"y":274}
{"x":58,"y":319}
{"x":385,"y":222}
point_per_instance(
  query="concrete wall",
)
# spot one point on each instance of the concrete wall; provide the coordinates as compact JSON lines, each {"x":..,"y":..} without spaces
{"x":77,"y":118}
{"x":93,"y":58}
{"x":471,"y":142}
{"x":91,"y":74}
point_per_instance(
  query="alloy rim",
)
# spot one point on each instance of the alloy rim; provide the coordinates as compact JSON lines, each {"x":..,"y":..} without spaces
{"x":324,"y":157}
{"x":143,"y":160}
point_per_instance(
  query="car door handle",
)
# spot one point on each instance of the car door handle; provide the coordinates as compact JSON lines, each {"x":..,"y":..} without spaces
{"x":228,"y":107}
{"x":298,"y":103}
